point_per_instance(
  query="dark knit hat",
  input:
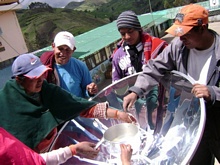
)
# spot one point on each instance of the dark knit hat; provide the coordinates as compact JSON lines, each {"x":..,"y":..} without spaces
{"x":128,"y":19}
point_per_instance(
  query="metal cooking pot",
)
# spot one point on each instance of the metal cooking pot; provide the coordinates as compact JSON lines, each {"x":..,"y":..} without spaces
{"x":125,"y":133}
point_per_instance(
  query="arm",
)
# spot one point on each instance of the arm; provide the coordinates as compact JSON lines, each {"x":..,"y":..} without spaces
{"x":59,"y":101}
{"x":61,"y":155}
{"x":47,"y":58}
{"x":85,"y":149}
{"x":153,"y":71}
{"x":58,"y":156}
{"x":117,"y":73}
{"x":126,"y":153}
{"x":201,"y":91}
{"x":89,"y":88}
{"x":92,"y":89}
{"x":171,"y":58}
{"x":103,"y":111}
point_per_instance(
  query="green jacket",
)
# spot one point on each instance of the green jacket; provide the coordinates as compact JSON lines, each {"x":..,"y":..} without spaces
{"x":30,"y":121}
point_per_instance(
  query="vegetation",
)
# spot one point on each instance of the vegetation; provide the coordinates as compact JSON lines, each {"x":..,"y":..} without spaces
{"x":41,"y":22}
{"x":113,"y":8}
{"x":87,"y":5}
{"x":39,"y":26}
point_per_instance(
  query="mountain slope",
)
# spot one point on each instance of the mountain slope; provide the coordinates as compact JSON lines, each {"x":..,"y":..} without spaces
{"x":88,"y":5}
{"x":40,"y":25}
{"x":113,"y":8}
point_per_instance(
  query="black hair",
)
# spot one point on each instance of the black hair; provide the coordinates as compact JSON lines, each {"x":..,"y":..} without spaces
{"x":197,"y":28}
{"x":20,"y":78}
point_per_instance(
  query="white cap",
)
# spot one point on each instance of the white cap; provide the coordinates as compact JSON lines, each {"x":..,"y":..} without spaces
{"x":64,"y":38}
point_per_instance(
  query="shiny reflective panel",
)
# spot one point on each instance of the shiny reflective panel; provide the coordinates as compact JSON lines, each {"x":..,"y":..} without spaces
{"x":170,"y":124}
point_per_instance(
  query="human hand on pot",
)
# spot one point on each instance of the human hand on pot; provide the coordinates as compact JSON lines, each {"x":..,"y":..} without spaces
{"x":85,"y":150}
{"x":126,"y":153}
{"x":126,"y":117}
{"x":120,"y":115}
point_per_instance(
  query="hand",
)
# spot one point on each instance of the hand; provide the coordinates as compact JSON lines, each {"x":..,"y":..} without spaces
{"x":201,"y":91}
{"x":129,"y":101}
{"x":126,"y":153}
{"x":85,"y":150}
{"x":92,"y":88}
{"x":126,"y":117}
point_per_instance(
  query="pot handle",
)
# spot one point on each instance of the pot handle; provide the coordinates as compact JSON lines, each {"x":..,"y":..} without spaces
{"x":132,"y":118}
{"x":99,"y":143}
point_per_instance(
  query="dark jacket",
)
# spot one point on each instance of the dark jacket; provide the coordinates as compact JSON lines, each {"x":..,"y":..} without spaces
{"x":30,"y":121}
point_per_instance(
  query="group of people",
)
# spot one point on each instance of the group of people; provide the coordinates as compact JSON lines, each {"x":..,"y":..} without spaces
{"x":195,"y":51}
{"x":32,"y":108}
{"x":43,"y":94}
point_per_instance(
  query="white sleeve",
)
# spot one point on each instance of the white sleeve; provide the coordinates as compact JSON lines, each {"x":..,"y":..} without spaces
{"x":57,"y":157}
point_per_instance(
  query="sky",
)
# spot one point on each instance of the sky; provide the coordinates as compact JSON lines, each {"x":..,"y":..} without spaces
{"x":52,"y":3}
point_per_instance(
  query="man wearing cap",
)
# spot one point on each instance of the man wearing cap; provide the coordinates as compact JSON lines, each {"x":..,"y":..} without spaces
{"x":68,"y":72}
{"x":31,"y":108}
{"x":194,"y":47}
{"x":133,"y":51}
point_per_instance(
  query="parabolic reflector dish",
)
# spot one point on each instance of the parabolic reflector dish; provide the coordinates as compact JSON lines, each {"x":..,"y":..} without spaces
{"x":170,"y":119}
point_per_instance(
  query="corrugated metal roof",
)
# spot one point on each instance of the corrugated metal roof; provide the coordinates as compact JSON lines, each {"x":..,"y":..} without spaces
{"x":146,"y":19}
{"x":13,"y":6}
{"x":96,"y":39}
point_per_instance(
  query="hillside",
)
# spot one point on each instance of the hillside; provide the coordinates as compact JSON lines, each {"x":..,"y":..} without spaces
{"x":87,"y":5}
{"x":40,"y":25}
{"x":112,"y":9}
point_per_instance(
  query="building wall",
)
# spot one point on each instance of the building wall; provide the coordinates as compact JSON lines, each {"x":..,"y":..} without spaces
{"x":11,"y":39}
{"x":214,"y":3}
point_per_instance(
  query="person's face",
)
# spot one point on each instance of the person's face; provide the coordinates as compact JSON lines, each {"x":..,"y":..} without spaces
{"x":130,"y":36}
{"x":62,"y":54}
{"x":192,"y":39}
{"x":32,"y":85}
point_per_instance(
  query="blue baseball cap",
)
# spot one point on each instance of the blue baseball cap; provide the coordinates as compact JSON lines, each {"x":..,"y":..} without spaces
{"x":28,"y":65}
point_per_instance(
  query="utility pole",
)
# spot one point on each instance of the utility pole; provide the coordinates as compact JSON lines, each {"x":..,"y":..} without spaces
{"x":151,"y":12}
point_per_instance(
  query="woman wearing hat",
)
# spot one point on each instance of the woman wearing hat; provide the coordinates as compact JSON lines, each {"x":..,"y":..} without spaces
{"x":31,"y":108}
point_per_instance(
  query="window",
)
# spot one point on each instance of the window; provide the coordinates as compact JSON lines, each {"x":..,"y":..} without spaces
{"x":103,"y":55}
{"x":90,"y":62}
{"x":98,"y":59}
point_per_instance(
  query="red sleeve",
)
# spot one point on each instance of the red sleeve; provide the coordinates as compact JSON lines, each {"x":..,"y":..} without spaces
{"x":48,"y":59}
{"x":89,"y":113}
{"x":13,"y":151}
